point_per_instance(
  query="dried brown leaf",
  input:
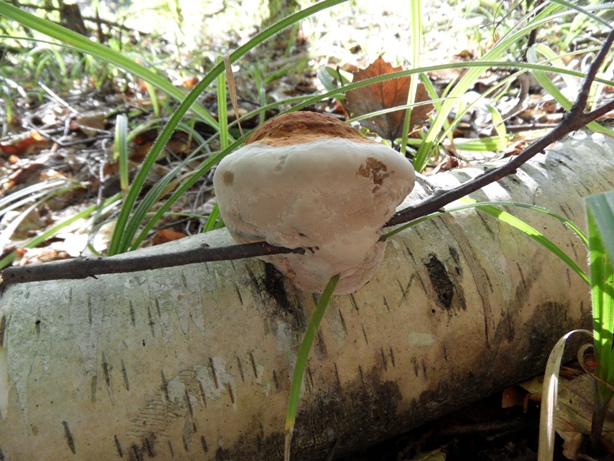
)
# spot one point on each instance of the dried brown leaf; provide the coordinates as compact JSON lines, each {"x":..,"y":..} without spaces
{"x":384,"y":95}
{"x":167,"y":235}
{"x":24,"y":144}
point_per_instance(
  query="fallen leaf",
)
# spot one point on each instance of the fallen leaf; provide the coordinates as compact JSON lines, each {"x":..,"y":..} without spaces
{"x":40,"y":255}
{"x":167,"y":235}
{"x":513,"y":396}
{"x":26,"y":176}
{"x":384,"y":95}
{"x":189,"y":82}
{"x":90,"y":123}
{"x":24,"y":144}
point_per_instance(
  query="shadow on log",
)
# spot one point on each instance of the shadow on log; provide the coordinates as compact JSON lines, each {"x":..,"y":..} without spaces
{"x":194,"y":362}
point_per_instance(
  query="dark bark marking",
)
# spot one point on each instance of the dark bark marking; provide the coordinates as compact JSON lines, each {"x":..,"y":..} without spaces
{"x":202,"y":394}
{"x":354,"y":303}
{"x":94,"y":387}
{"x":151,"y":322}
{"x":456,"y":258}
{"x":384,"y":361}
{"x":320,"y":349}
{"x":136,"y":452}
{"x":69,"y":438}
{"x":309,"y":380}
{"x":217,"y":384}
{"x":106,"y":370}
{"x":230,"y":393}
{"x":186,"y":447}
{"x":164,"y":386}
{"x":440,"y":280}
{"x":392,"y":357}
{"x":240,"y":369}
{"x":253,"y":361}
{"x":149,"y":448}
{"x":132,"y":317}
{"x":364,"y":333}
{"x":2,"y":330}
{"x":275,"y":380}
{"x":238,"y":291}
{"x":337,"y":377}
{"x":125,"y":375}
{"x":171,"y":449}
{"x":386,"y":304}
{"x":274,"y":285}
{"x":188,"y":403}
{"x":118,"y":446}
{"x":414,"y":363}
{"x":252,"y":276}
{"x":403,"y":290}
{"x":203,"y":442}
{"x":89,"y":310}
{"x":158,"y":308}
{"x":345,"y":330}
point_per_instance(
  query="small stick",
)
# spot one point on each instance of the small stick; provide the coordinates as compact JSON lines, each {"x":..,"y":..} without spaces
{"x":232,"y":90}
{"x":82,"y":268}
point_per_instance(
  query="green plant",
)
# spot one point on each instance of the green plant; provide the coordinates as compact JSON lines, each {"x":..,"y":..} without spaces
{"x":600,"y":217}
{"x":600,"y":214}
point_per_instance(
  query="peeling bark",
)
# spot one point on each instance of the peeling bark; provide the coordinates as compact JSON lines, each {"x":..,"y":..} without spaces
{"x":194,"y":362}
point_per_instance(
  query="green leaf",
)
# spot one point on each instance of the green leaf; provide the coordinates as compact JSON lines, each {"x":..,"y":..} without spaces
{"x":600,"y":215}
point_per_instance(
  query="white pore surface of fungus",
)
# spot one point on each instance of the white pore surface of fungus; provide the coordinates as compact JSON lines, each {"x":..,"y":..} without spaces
{"x":311,"y":181}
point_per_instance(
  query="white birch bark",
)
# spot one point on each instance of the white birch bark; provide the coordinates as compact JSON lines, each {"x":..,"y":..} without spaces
{"x":194,"y":362}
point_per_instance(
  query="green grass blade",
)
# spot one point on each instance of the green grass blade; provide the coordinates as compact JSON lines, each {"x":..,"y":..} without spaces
{"x":222,"y":110}
{"x":121,"y":151}
{"x":600,"y":214}
{"x":214,"y":220}
{"x":530,"y":231}
{"x":301,"y":361}
{"x":416,"y":48}
{"x":575,"y":6}
{"x":499,"y":126}
{"x":155,"y":103}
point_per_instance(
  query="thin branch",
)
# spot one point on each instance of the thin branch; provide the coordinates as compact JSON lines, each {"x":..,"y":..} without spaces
{"x":575,"y":119}
{"x":91,"y":267}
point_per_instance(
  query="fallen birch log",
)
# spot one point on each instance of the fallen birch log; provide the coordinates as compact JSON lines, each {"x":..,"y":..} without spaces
{"x":194,"y":362}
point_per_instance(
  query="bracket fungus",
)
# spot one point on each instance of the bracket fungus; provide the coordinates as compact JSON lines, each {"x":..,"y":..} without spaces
{"x":308,"y":180}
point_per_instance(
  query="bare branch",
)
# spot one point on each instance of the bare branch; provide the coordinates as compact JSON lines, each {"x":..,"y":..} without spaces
{"x":90,"y":267}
